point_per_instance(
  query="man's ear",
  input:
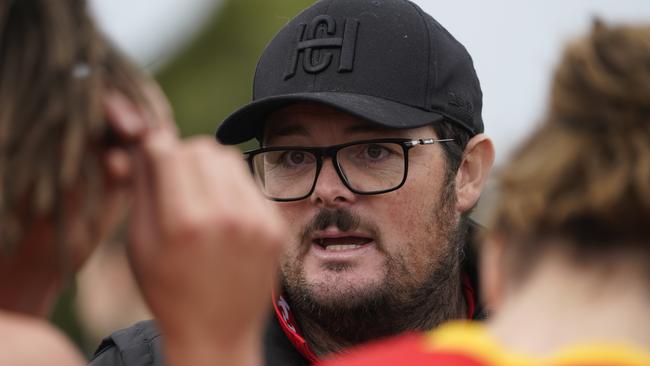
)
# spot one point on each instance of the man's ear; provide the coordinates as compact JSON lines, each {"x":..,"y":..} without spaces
{"x":473,"y":171}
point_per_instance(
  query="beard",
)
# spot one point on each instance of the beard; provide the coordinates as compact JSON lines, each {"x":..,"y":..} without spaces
{"x":350,"y":315}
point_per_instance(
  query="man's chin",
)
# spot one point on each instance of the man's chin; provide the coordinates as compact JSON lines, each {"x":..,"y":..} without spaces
{"x":333,"y":286}
{"x":342,"y":291}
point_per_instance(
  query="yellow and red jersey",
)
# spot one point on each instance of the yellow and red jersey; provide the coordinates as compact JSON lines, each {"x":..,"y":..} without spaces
{"x":469,"y":344}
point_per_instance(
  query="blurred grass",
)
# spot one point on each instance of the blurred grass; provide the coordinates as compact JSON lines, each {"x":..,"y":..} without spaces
{"x":64,"y":316}
{"x":213,"y":76}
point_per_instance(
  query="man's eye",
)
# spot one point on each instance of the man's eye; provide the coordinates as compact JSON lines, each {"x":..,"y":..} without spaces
{"x":376,"y":151}
{"x":295,"y":158}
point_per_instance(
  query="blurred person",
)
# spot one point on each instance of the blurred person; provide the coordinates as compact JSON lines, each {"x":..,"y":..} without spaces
{"x":369,"y":117}
{"x":82,"y":132}
{"x":567,"y":262}
{"x":115,"y":304}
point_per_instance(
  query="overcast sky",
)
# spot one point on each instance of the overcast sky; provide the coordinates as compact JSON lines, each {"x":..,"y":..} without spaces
{"x":514,"y":43}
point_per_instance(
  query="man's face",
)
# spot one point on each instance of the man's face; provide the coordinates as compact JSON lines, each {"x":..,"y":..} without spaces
{"x":347,"y":249}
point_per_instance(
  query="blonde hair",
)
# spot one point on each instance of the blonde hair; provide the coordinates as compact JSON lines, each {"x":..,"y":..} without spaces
{"x":584,"y":175}
{"x":54,"y":69}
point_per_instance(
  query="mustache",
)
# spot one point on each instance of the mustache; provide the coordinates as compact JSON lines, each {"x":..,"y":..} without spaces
{"x":342,"y":219}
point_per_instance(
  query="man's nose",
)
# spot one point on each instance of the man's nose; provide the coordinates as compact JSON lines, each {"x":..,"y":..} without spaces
{"x":330,"y":191}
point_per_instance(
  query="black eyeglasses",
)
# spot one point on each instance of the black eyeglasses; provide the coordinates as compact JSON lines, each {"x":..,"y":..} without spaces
{"x":289,"y":173}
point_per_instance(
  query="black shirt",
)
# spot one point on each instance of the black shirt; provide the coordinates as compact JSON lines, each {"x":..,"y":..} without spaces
{"x":141,"y":345}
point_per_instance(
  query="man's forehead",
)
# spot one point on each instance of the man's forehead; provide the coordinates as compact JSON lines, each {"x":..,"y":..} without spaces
{"x":307,"y":127}
{"x":312,"y":119}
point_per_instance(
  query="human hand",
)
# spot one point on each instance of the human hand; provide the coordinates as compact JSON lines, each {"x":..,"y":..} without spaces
{"x":127,"y":124}
{"x":204,"y":246}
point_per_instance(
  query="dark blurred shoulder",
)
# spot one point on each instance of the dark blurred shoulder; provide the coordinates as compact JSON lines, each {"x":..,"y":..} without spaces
{"x":138,"y":345}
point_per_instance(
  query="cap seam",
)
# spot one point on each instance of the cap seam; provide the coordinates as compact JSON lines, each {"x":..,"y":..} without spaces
{"x":315,"y":85}
{"x":268,"y":45}
{"x":427,"y":92}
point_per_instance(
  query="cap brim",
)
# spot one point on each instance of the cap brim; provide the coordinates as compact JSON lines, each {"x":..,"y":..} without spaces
{"x":244,"y":124}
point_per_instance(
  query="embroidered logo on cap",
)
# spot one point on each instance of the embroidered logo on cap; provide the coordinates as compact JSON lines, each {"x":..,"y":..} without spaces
{"x":314,"y":39}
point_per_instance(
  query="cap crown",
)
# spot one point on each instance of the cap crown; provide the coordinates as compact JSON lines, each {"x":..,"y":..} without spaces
{"x":388,"y":49}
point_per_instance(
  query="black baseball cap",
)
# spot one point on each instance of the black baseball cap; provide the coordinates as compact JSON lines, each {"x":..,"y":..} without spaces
{"x":385,"y":61}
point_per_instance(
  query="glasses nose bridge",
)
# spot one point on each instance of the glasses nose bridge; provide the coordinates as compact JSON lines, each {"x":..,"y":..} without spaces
{"x":329,"y":152}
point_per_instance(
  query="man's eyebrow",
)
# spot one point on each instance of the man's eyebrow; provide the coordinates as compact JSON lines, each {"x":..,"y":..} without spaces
{"x":364,"y":127}
{"x":288,"y":130}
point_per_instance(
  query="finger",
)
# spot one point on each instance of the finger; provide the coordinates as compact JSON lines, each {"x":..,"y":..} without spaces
{"x":123,"y":117}
{"x":242,"y":196}
{"x":227,"y":199}
{"x":174,"y":183}
{"x":160,"y":112}
{"x":143,"y":222}
{"x":118,"y":165}
{"x":249,"y":191}
{"x":218,"y":204}
{"x":222,"y":169}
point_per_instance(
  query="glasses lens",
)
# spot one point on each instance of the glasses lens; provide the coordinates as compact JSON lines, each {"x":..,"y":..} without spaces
{"x":285,"y":174}
{"x":372,"y":167}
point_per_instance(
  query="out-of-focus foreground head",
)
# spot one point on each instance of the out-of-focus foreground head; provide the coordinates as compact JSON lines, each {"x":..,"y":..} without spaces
{"x":584,"y":176}
{"x":55,"y":69}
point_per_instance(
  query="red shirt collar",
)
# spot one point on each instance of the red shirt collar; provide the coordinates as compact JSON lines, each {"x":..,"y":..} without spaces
{"x":290,"y":327}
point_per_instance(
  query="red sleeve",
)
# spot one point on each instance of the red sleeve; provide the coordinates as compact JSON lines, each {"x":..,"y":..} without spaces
{"x":402,"y":350}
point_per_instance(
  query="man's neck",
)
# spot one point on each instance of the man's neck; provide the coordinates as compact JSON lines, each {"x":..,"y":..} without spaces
{"x":565,"y":303}
{"x":324,"y":340}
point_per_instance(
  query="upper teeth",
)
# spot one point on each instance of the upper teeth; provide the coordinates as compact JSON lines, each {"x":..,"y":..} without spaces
{"x":342,"y":247}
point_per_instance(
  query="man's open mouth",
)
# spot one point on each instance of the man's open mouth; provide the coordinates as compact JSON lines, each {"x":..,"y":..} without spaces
{"x":342,"y":243}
